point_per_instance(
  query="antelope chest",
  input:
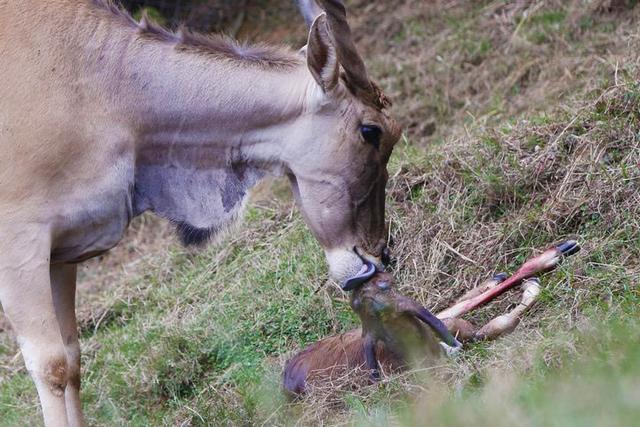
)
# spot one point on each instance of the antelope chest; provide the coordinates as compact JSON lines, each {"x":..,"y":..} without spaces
{"x":92,"y":218}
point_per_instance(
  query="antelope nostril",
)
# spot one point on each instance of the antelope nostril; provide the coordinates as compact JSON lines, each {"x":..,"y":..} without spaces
{"x":385,"y":256}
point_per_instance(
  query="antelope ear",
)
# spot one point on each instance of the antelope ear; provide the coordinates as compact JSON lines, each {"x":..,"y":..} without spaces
{"x":411,"y":307}
{"x":322,"y":58}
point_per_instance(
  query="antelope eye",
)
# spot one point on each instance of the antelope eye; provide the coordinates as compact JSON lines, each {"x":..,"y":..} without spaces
{"x":384,"y":286}
{"x":371,"y":135}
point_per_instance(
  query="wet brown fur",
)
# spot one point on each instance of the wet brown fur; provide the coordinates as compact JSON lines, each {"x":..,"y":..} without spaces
{"x":400,"y":340}
{"x":332,"y":358}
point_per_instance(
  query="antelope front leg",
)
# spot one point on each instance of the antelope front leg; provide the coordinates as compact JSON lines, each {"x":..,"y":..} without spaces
{"x":506,"y":323}
{"x":63,"y":285}
{"x":483,"y":287}
{"x":467,"y":331}
{"x":462,"y":329}
{"x":370,"y":357}
{"x":26,"y":296}
{"x":546,"y":261}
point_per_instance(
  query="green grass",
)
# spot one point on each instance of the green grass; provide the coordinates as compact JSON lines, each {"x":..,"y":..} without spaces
{"x":215,"y":327}
{"x":594,"y":384}
{"x":202,"y":338}
{"x":205,"y":341}
{"x":209,"y":325}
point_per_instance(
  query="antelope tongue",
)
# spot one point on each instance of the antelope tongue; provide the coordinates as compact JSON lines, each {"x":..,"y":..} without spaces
{"x":366,"y":272}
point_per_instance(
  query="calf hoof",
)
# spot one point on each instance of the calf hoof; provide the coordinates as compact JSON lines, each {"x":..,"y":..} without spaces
{"x":568,"y":247}
{"x":449,"y":350}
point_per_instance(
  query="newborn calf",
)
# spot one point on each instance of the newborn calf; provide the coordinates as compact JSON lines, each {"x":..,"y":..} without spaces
{"x":395,"y":331}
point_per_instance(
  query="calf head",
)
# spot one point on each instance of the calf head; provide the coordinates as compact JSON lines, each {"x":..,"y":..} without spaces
{"x":379,"y":305}
{"x":375,"y":300}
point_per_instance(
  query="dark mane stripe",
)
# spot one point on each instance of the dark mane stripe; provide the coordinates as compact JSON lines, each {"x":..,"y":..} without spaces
{"x":216,"y":44}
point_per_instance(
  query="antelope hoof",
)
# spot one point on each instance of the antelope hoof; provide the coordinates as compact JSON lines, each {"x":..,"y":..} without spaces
{"x":375,"y":375}
{"x":451,"y":351}
{"x":568,"y":247}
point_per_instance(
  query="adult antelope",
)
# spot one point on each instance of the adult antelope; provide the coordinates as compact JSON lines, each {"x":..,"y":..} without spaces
{"x":103,"y":118}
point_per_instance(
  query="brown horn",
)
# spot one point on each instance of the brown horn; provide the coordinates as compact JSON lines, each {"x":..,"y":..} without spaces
{"x":309,"y":10}
{"x":348,"y":56}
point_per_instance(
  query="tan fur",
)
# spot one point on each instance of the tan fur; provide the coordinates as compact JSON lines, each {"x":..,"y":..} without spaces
{"x":215,"y":44}
{"x":56,"y":375}
{"x":103,"y":118}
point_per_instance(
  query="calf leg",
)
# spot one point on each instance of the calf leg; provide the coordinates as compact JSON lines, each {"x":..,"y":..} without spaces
{"x":506,"y":323}
{"x":546,"y":261}
{"x":501,"y":325}
{"x":370,"y":357}
{"x":483,"y":287}
{"x":26,"y":297}
{"x":460,"y":328}
{"x":63,"y":283}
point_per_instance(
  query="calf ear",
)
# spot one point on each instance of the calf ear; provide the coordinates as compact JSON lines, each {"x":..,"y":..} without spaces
{"x":409,"y":306}
{"x":322,"y":58}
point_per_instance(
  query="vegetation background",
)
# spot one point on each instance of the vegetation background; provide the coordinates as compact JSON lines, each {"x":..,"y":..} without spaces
{"x":522,"y":128}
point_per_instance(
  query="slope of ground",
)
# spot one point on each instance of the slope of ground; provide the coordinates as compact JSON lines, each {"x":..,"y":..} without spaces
{"x":522,"y":128}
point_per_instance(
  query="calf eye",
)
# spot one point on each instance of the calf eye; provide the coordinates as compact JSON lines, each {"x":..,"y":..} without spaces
{"x":371,"y":135}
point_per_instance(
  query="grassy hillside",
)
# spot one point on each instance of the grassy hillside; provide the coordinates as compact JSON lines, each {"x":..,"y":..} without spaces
{"x":522,"y":128}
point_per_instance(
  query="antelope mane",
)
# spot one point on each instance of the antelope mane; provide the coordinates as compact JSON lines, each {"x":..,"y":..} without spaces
{"x":215,"y":44}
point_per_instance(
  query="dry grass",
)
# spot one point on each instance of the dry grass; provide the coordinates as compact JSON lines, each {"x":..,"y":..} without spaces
{"x":523,"y":128}
{"x":487,"y":192}
{"x":452,"y":65}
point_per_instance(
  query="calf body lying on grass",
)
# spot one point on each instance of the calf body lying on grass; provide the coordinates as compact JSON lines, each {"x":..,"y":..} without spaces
{"x":398,"y":332}
{"x":391,"y":334}
{"x":395,"y":329}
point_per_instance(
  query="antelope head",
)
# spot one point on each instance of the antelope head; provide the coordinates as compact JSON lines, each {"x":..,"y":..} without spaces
{"x":342,"y":143}
{"x":379,"y":305}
